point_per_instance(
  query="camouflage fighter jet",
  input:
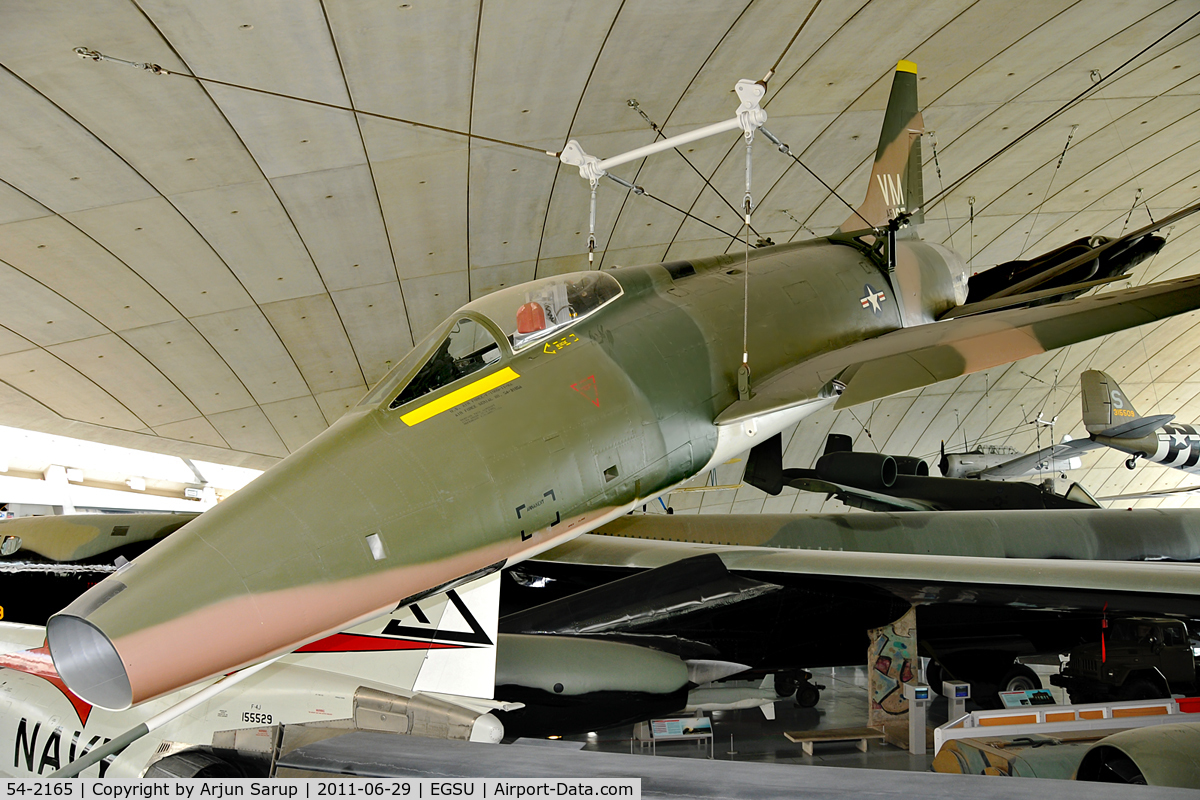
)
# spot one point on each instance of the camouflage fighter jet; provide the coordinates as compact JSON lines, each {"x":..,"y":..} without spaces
{"x":546,"y":409}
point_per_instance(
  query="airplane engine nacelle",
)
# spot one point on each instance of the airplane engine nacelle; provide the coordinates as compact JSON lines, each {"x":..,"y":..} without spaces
{"x":423,"y":715}
{"x":870,"y":471}
{"x":911,"y":465}
{"x":1158,"y":755}
{"x":570,"y":665}
{"x":202,"y":762}
{"x":572,"y":684}
{"x":942,"y":281}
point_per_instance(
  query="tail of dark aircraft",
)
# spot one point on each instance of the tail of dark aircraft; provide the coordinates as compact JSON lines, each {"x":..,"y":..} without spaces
{"x":896,"y":185}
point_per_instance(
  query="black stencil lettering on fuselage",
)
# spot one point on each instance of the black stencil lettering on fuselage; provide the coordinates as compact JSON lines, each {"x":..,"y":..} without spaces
{"x":93,"y":742}
{"x":557,"y":515}
{"x":26,"y":745}
{"x":51,"y":759}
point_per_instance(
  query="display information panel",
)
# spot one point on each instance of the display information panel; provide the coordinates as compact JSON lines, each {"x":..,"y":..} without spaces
{"x":681,"y":728}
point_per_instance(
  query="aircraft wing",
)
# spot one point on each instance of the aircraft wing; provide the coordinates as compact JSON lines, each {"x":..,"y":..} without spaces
{"x":1029,"y":298}
{"x":1001,"y":575}
{"x":74,"y":537}
{"x":1028,"y":581}
{"x":442,"y":644}
{"x":1178,"y":492}
{"x":1033,"y":462}
{"x":913,"y":357}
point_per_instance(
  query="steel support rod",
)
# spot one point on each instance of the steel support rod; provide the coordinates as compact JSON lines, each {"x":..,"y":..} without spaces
{"x":749,"y":117}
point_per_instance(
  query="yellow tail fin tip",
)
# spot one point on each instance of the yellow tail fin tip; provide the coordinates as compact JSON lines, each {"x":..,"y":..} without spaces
{"x":906,"y":66}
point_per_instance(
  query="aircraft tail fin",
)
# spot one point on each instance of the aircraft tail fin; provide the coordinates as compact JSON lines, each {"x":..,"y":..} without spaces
{"x":1105,"y":406}
{"x":444,"y":643}
{"x":896,"y":181}
{"x":838,"y":443}
{"x":1108,"y":412}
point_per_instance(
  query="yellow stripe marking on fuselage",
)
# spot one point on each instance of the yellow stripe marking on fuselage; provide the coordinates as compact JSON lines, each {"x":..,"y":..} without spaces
{"x":459,"y":396}
{"x":906,"y":66}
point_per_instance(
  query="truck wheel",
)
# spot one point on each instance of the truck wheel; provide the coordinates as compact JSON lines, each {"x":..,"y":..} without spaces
{"x":785,"y":684}
{"x":1140,"y":689}
{"x":1020,"y":678}
{"x":807,"y":695}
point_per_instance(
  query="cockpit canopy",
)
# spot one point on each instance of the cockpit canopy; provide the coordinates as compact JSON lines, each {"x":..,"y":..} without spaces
{"x":467,"y":348}
{"x":534,"y":311}
{"x":526,"y":314}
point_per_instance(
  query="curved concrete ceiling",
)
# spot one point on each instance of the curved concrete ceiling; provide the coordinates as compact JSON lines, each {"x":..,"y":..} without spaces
{"x":199,"y":269}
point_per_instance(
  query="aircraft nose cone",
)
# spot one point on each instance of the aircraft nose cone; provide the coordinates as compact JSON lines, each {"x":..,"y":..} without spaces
{"x":337,"y":533}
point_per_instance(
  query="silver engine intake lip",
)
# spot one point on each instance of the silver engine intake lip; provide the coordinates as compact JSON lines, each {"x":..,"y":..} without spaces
{"x":88,"y":662}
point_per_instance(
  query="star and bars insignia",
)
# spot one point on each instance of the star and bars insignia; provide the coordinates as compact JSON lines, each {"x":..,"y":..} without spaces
{"x":872,"y":299}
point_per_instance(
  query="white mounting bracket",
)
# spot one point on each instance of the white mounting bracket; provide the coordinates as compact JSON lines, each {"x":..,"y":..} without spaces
{"x":589,"y":166}
{"x":750,"y":116}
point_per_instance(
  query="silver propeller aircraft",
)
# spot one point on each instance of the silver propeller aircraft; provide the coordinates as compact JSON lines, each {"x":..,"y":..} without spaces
{"x":546,"y":409}
{"x":1112,"y":421}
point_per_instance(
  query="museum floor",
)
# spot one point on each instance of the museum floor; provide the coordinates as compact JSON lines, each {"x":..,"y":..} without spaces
{"x":756,"y":739}
{"x":766,"y":765}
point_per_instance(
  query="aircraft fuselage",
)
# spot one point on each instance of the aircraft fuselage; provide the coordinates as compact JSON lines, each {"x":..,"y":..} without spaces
{"x":542,"y":436}
{"x":1176,"y":446}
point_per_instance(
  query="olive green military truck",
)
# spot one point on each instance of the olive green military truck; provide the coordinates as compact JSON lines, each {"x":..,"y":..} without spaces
{"x":1141,"y":658}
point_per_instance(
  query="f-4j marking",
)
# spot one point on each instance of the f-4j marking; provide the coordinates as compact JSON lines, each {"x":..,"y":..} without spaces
{"x":417,"y":486}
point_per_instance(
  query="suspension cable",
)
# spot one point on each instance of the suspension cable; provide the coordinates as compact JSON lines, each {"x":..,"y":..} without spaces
{"x":94,"y":55}
{"x":591,"y":243}
{"x":938,"y":167}
{"x":1129,"y":216}
{"x":654,"y":126}
{"x":787,"y":151}
{"x":732,"y":236}
{"x":971,"y":231}
{"x":1053,"y":175}
{"x":747,"y":207}
{"x":1037,"y":126}
{"x":796,"y":35}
